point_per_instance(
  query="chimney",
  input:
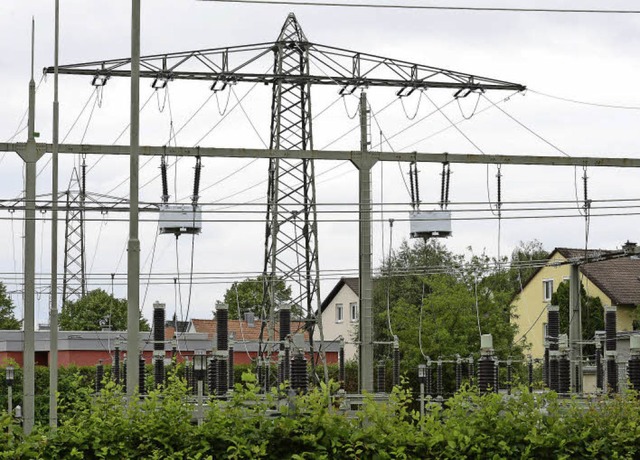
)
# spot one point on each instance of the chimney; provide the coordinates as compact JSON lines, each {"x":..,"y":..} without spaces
{"x":249,"y":318}
{"x":630,"y":247}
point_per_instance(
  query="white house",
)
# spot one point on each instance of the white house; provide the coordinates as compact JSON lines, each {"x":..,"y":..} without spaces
{"x":340,"y":315}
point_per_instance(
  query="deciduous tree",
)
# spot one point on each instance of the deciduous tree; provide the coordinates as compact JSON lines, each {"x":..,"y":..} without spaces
{"x":248,"y":296}
{"x":7,"y":318}
{"x":96,"y":310}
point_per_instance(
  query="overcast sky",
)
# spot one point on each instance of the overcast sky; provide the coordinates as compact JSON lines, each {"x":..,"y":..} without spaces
{"x":590,"y":58}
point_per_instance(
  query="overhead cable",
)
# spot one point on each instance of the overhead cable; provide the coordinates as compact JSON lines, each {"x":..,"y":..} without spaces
{"x":433,"y":7}
{"x":593,"y":104}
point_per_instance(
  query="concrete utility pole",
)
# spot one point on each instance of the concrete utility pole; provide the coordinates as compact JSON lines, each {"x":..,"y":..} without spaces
{"x":53,"y":307}
{"x":133,"y":246}
{"x":364,"y":165}
{"x":30,"y":156}
{"x":575,"y":328}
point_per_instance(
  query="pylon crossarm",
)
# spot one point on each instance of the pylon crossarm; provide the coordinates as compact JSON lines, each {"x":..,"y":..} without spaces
{"x":338,"y":66}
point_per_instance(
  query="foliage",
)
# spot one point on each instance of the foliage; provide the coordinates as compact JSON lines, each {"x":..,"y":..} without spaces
{"x":94,"y":311}
{"x":7,"y":318}
{"x":73,"y":385}
{"x":523,"y":259}
{"x":248,"y":296}
{"x":438,"y":302}
{"x":592,"y":310}
{"x":251,"y":425}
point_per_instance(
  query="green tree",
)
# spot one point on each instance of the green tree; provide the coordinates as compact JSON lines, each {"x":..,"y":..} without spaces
{"x":438,"y":303}
{"x":523,"y":265}
{"x":96,"y":310}
{"x":7,"y":318}
{"x":591,"y":309}
{"x":248,"y":295}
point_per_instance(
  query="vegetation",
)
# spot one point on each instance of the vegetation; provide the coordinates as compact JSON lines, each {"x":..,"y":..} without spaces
{"x":7,"y":318}
{"x":160,"y":425}
{"x":592,"y":310}
{"x":248,"y":296}
{"x":438,"y":303}
{"x":96,"y":310}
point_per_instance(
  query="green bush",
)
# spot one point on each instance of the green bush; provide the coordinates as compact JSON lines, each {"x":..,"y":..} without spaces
{"x":276,"y":426}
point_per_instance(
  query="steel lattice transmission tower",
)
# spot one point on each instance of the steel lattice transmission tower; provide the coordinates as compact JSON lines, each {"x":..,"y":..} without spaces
{"x":291,"y":243}
{"x":74,"y":282}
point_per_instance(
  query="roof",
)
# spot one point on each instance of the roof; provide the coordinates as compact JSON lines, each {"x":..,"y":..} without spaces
{"x":240,"y":329}
{"x":169,"y":332}
{"x":352,"y":283}
{"x":571,"y":253}
{"x":618,"y":278}
{"x":182,"y":326}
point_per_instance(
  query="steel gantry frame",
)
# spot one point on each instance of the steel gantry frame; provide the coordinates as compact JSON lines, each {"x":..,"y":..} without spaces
{"x":291,"y":240}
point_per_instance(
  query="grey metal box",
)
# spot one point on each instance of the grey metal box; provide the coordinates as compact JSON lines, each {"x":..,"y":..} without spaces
{"x":180,"y":218}
{"x":430,"y":224}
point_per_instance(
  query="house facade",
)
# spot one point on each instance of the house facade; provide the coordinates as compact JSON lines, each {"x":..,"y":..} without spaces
{"x":339,"y":311}
{"x":616,"y":282}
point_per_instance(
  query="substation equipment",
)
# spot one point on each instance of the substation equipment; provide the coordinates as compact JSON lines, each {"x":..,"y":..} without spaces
{"x":291,"y":243}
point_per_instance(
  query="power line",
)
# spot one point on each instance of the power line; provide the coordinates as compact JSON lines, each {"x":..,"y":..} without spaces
{"x":594,"y":104}
{"x":461,"y":120}
{"x":356,"y":220}
{"x":342,"y":210}
{"x":431,"y":7}
{"x":13,"y":203}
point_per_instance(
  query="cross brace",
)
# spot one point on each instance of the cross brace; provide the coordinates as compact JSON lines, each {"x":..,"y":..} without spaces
{"x":345,"y":155}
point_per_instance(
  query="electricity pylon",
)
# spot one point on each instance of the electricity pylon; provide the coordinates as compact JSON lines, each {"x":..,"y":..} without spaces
{"x":74,"y":282}
{"x":291,"y":243}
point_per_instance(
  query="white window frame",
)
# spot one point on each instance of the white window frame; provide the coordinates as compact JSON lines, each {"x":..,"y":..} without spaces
{"x":353,"y":311}
{"x":339,"y":312}
{"x":545,"y":283}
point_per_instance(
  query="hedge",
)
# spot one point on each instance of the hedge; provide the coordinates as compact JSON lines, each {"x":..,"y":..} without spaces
{"x":160,"y":426}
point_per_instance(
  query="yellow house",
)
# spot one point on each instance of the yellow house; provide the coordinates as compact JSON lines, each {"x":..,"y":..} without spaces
{"x":615,"y":281}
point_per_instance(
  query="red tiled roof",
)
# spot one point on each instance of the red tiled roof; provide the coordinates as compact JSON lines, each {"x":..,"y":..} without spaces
{"x":240,"y":329}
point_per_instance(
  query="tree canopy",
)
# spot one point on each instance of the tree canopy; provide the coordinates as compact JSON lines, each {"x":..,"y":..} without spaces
{"x":438,"y":302}
{"x":248,"y":296}
{"x":523,"y":261}
{"x":96,"y":310}
{"x":591,"y":309}
{"x":7,"y":318}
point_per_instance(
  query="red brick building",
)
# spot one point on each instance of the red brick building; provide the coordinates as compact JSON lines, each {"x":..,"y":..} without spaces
{"x":87,"y":348}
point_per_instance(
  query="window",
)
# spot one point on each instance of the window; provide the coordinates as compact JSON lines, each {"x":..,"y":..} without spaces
{"x":339,"y":313}
{"x":353,"y":306}
{"x":547,"y":290}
